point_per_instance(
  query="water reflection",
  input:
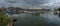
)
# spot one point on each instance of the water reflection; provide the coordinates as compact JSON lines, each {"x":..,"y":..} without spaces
{"x":46,"y":19}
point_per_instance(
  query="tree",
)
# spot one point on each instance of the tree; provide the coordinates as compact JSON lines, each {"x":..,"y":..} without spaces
{"x":59,"y":9}
{"x":3,"y":19}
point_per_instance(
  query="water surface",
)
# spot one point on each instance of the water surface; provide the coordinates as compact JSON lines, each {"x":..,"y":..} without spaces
{"x":46,"y":19}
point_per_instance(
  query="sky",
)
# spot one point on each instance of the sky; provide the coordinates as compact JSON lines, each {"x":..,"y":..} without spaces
{"x":29,"y":4}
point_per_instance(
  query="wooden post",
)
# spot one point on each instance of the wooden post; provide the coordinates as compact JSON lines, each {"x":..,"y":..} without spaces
{"x":10,"y":23}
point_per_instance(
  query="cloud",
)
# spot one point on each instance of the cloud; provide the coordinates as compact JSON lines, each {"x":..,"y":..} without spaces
{"x":36,"y":2}
{"x":12,"y":1}
{"x":30,"y":3}
{"x":26,"y":3}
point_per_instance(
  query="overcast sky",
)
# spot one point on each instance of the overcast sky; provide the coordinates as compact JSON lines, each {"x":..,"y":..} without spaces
{"x":48,"y":4}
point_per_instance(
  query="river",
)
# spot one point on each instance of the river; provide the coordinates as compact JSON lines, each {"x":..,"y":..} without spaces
{"x":46,"y":19}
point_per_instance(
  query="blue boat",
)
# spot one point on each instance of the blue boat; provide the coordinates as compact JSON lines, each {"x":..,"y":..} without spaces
{"x":9,"y":12}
